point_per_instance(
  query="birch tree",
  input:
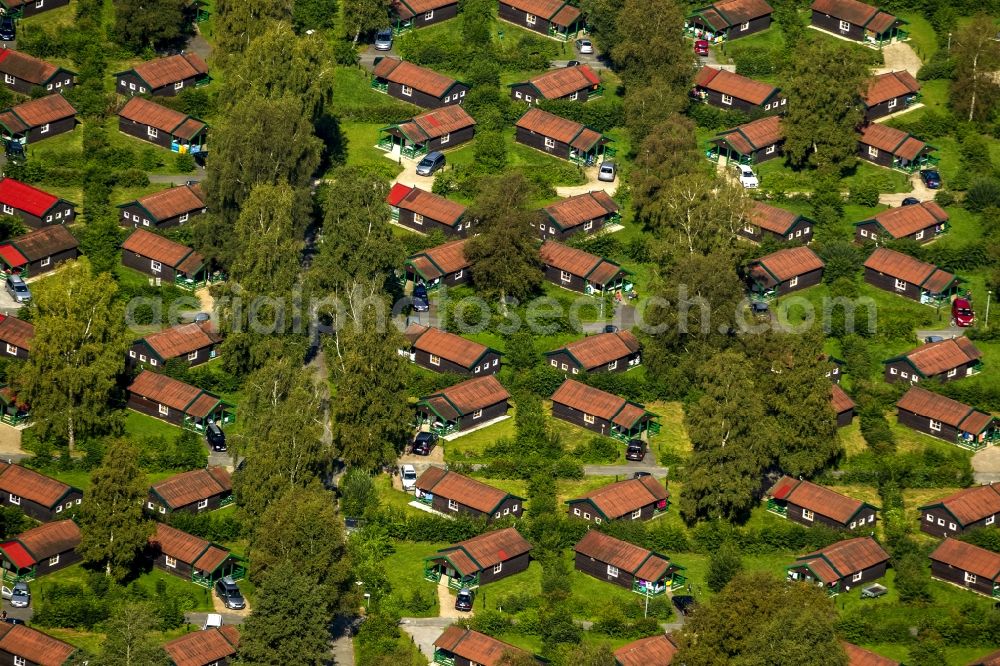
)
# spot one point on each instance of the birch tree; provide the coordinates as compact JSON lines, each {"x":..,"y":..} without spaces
{"x":975,"y":92}
{"x":130,"y":640}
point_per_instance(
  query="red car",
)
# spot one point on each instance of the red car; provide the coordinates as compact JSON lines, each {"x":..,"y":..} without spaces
{"x":961,"y":312}
{"x":701,"y":47}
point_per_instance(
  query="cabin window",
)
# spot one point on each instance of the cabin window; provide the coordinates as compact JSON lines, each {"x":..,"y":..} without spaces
{"x":142,"y":358}
{"x":575,"y":95}
{"x":845,"y":26}
{"x":517,"y":94}
{"x":152,"y":132}
{"x":576,"y":512}
{"x":552,"y":230}
{"x":513,"y":508}
{"x":935,"y":425}
{"x":563,"y":366}
{"x":612,"y":365}
{"x":418,"y":219}
{"x":587,"y":226}
{"x":727,"y":99}
{"x":807,"y":515}
{"x":142,"y":89}
{"x":527,"y":98}
{"x":461,"y":94}
{"x":953,"y":372}
{"x":67,"y":82}
{"x":458,"y":274}
{"x":495,"y":361}
{"x":586,"y":516}
{"x":940,"y":521}
{"x":919,"y":235}
{"x":770,"y":149}
{"x":864,"y":233}
{"x":930,"y":518}
{"x":496,"y":515}
{"x":530,"y":19}
{"x":970,"y":578}
{"x":45,"y":262}
{"x":477,"y":414}
{"x":150,"y":505}
{"x":7,"y":78}
{"x":428,"y":15}
{"x":952,"y":526}
{"x":445,"y":138}
{"x":991,"y":520}
{"x":856,"y":577}
{"x":193,"y":356}
{"x":54,"y":560}
{"x":435,"y":360}
{"x":904,"y":375}
{"x":78,"y":501}
{"x":871,"y":518}
{"x":452,"y":505}
{"x":506,"y":512}
{"x":767,"y":107}
{"x":183,"y":218}
{"x":806,"y":230}
{"x":59,"y":509}
{"x":576,"y":371}
{"x":900,"y":285}
{"x":872,"y":151}
{"x":854,"y":524}
{"x":203,"y":504}
{"x":152,"y":361}
{"x":15,"y":499}
{"x":874,"y":236}
{"x":178,"y":85}
{"x":564,"y":276}
{"x":19,"y":661}
{"x":784,"y":101}
{"x":550,"y":143}
{"x":798,"y":233}
{"x":892,"y":371}
{"x":163,"y":509}
{"x":131,"y":86}
{"x":745,"y":26}
{"x":637,"y":514}
{"x":447,"y":99}
{"x":791,"y":236}
{"x":612,"y":572}
{"x":171,"y":562}
{"x":794,"y":281}
{"x":892,"y":103}
{"x":406,"y":90}
{"x":12,"y":350}
{"x":588,"y":418}
{"x":554,"y":363}
{"x":155,"y":266}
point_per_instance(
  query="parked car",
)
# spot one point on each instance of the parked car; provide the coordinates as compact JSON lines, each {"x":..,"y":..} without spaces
{"x":931,"y":178}
{"x":13,"y":620}
{"x":933,"y":338}
{"x":961,"y":313}
{"x":572,"y":63}
{"x":748,"y":178}
{"x":463,"y":602}
{"x":610,"y":328}
{"x":701,"y":47}
{"x":409,"y":477}
{"x":636,"y":450}
{"x":17,"y":289}
{"x":911,"y":201}
{"x":639,"y":475}
{"x":431,"y":163}
{"x":873,"y":591}
{"x":421,"y":302}
{"x":212,"y":620}
{"x":383,"y":39}
{"x":683,"y":603}
{"x":584,"y":46}
{"x":608,"y":172}
{"x":8,"y":29}
{"x":201,"y":317}
{"x":229,"y":592}
{"x":759,"y":309}
{"x":19,"y":595}
{"x":423,"y":443}
{"x":215,"y":437}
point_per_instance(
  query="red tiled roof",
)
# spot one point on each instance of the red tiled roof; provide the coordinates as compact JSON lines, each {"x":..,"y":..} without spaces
{"x":624,"y":497}
{"x":26,"y":67}
{"x":439,"y":261}
{"x":888,"y":86}
{"x":936,"y":357}
{"x":940,"y":408}
{"x":173,"y":201}
{"x":729,"y":83}
{"x":449,"y":346}
{"x":623,"y":555}
{"x":543,"y":8}
{"x":397,"y":194}
{"x":432,"y":206}
{"x":966,"y":557}
{"x":599,"y":403}
{"x":847,"y":557}
{"x":50,"y":539}
{"x":45,"y":242}
{"x":203,"y":647}
{"x":754,"y":135}
{"x":594,"y":351}
{"x":33,"y":645}
{"x":31,"y":485}
{"x":565,"y":131}
{"x":474,"y":646}
{"x":892,"y":141}
{"x":851,"y":11}
{"x":839,"y":399}
{"x":25,"y":197}
{"x":487,"y":550}
{"x":582,"y":264}
{"x":163,"y":71}
{"x":972,"y":504}
{"x":188,"y":548}
{"x":816,"y":498}
{"x":790,"y":262}
{"x":17,"y":555}
{"x":906,"y":220}
{"x":43,"y":110}
{"x":183,"y":339}
{"x":565,"y":16}
{"x":562,"y":81}
{"x":468,"y":396}
{"x":903,"y":266}
{"x":410,"y":8}
{"x":740,"y":11}
{"x":16,"y":332}
{"x":416,"y":77}
{"x":772,"y":218}
{"x":149,"y":113}
{"x":858,"y":656}
{"x":581,"y":208}
{"x":437,"y":122}
{"x":12,"y":257}
{"x":190,"y":487}
{"x":652,"y":651}
{"x":461,"y":488}
{"x":159,"y":248}
{"x":173,"y":393}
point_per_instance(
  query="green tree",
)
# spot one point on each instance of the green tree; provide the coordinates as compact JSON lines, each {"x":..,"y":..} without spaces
{"x":130,"y":637}
{"x":758,"y":620}
{"x":825,"y":88}
{"x":724,"y":564}
{"x":77,"y":354}
{"x":142,"y":25}
{"x":364,"y":16}
{"x":101,"y":243}
{"x":237,"y":22}
{"x":490,"y":152}
{"x":358,"y":493}
{"x":190,"y":451}
{"x":10,"y":226}
{"x":651,"y":45}
{"x":927,"y":651}
{"x":503,"y":256}
{"x":667,"y":151}
{"x":314,"y":14}
{"x":113,"y":527}
{"x":975,"y":91}
{"x":269,"y":238}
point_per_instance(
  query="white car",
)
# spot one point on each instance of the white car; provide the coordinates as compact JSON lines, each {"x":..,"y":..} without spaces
{"x":748,"y":178}
{"x":584,"y":46}
{"x":409,"y":477}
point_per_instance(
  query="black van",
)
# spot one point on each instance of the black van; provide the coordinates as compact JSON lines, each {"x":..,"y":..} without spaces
{"x":215,"y":437}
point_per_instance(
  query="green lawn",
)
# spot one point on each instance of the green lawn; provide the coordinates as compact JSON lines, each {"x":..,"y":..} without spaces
{"x":405,"y":571}
{"x":922,"y":37}
{"x":775,"y":175}
{"x":519,"y":155}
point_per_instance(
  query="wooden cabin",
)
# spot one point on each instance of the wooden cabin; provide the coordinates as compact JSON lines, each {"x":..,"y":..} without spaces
{"x":632,"y":499}
{"x":601,"y":412}
{"x":842,"y":405}
{"x":922,"y":222}
{"x":967,"y":566}
{"x":194,"y":491}
{"x":587,"y":213}
{"x":938,"y":416}
{"x":464,"y":406}
{"x":464,"y":647}
{"x":480,"y":560}
{"x":16,"y":336}
{"x":577,"y":83}
{"x":856,"y":21}
{"x":24,"y":8}
{"x":452,"y":493}
{"x":39,"y":251}
{"x":757,"y":141}
{"x":177,"y":403}
{"x":194,"y":343}
{"x":415,"y":84}
{"x":732,"y":92}
{"x":553,"y":18}
{"x":946,"y":361}
{"x":580,"y":271}
{"x":163,"y":77}
{"x":728,"y":19}
{"x":767,"y":221}
{"x":842,"y":565}
{"x":162,"y":258}
{"x":35,"y":207}
{"x":652,"y":651}
{"x":559,"y":137}
{"x":38,"y":496}
{"x":806,"y":503}
{"x":445,"y":264}
{"x":889,"y":93}
{"x":168,"y":208}
{"x":20,"y":645}
{"x":191,"y":557}
{"x":441,"y":351}
{"x":438,"y":129}
{"x":902,"y":274}
{"x":894,"y":149}
{"x":24,"y":73}
{"x":37,"y":119}
{"x":163,"y":127}
{"x":603,"y":352}
{"x":214,"y":646}
{"x":958,"y":513}
{"x":41,"y":550}
{"x":626,"y":565}
{"x":424,"y":211}
{"x":785,"y":271}
{"x":407,"y":14}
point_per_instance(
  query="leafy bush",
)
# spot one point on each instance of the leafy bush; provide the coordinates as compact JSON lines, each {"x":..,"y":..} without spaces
{"x":864,"y":193}
{"x":597,"y":450}
{"x":602,"y":114}
{"x":184,"y":162}
{"x":133,"y":178}
{"x":70,"y":605}
{"x":983,"y":193}
{"x":756,"y":61}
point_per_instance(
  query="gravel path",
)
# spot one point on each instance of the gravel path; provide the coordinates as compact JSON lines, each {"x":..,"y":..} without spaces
{"x":592,"y":185}
{"x":899,"y":56}
{"x":919,"y":191}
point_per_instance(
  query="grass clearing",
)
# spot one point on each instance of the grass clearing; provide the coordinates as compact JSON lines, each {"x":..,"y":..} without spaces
{"x":405,"y":571}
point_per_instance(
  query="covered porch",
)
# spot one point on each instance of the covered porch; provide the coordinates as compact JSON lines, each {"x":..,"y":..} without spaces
{"x":14,"y":411}
{"x":803,"y":573}
{"x":587,"y":158}
{"x":428,"y":420}
{"x":719,"y":150}
{"x":990,"y":436}
{"x":674,"y":580}
{"x":203,"y":278}
{"x":436,"y":566}
{"x":394,"y":138}
{"x":222,"y":414}
{"x":644,"y":427}
{"x":697,"y":26}
{"x":922,"y":161}
{"x":233,"y":566}
{"x":877,"y":40}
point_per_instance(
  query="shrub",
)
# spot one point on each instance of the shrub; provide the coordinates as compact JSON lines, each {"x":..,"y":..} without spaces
{"x":184,"y":162}
{"x":133,"y":178}
{"x":944,"y":198}
{"x":723,"y":565}
{"x":983,"y":193}
{"x":755,"y":61}
{"x":864,"y":193}
{"x":490,"y":622}
{"x":597,"y":450}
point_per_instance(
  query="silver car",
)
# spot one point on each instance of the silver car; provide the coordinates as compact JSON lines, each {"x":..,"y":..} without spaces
{"x":20,"y":596}
{"x":17,"y":289}
{"x":584,"y":46}
{"x":608,"y":172}
{"x":383,"y":39}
